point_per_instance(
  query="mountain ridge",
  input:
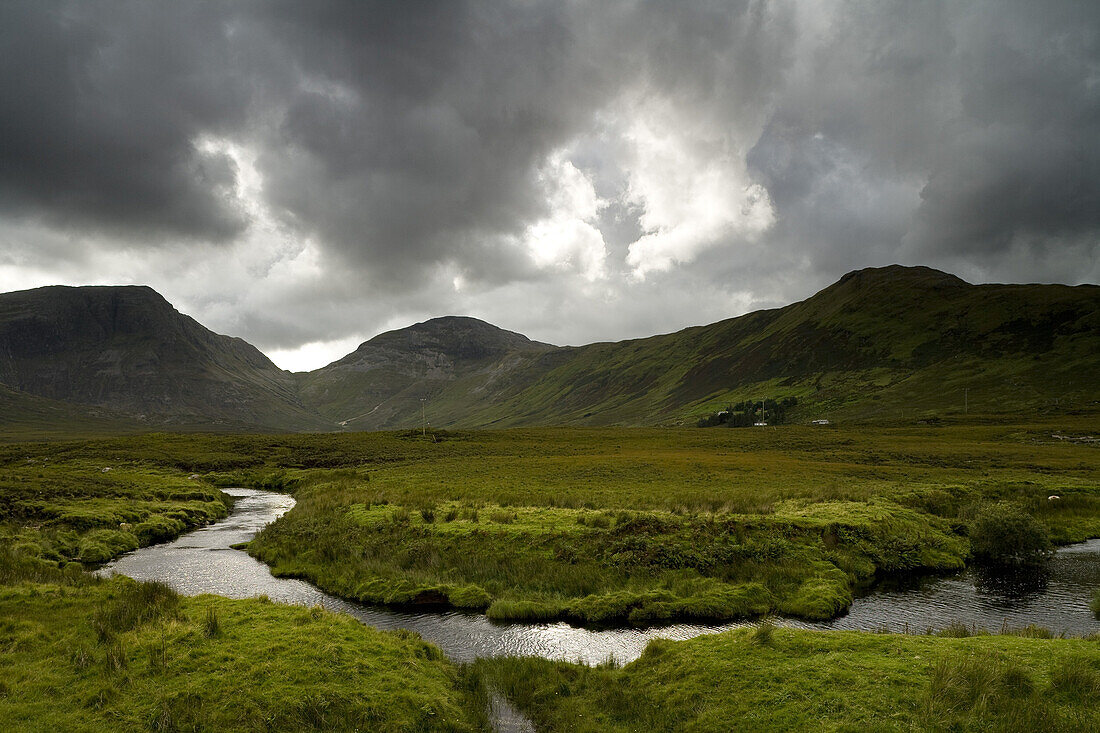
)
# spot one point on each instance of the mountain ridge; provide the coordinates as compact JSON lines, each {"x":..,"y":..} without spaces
{"x":891,"y":342}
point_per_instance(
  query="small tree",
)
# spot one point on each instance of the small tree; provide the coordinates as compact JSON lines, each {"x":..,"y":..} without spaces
{"x":1004,"y":534}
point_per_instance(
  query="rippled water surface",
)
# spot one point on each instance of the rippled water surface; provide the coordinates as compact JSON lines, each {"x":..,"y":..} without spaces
{"x":203,"y":562}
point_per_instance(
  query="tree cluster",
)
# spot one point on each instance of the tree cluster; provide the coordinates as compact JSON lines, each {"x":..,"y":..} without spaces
{"x":746,"y":413}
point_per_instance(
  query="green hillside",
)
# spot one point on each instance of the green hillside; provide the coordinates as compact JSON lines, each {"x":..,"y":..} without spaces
{"x":889,"y":343}
{"x":381,"y":384}
{"x":26,"y":417}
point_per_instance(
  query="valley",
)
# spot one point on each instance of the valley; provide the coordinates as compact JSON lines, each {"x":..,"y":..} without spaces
{"x":455,"y":470}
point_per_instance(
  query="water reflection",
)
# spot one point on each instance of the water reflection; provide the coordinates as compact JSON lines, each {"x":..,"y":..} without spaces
{"x":202,"y":562}
{"x":1009,"y":587}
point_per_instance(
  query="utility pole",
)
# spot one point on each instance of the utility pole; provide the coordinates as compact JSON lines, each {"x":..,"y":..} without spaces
{"x":423,"y":417}
{"x":966,"y":400}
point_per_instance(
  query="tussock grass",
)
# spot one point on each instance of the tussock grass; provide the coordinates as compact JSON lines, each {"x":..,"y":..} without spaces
{"x":211,"y":626}
{"x":268,"y":667}
{"x":134,"y":604}
{"x":646,"y":526}
{"x":770,"y":678}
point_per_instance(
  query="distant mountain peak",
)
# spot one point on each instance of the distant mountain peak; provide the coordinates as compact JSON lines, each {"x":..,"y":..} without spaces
{"x":893,"y":274}
{"x":459,"y":337}
{"x":128,"y":349}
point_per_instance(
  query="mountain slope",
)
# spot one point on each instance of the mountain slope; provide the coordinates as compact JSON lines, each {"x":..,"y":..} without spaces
{"x":454,"y":361}
{"x":881,"y":342}
{"x":127,"y":349}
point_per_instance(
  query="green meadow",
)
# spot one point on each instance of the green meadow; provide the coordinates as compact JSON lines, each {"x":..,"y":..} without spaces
{"x":786,"y":680}
{"x":645,"y":525}
{"x":591,"y":525}
{"x":83,"y":654}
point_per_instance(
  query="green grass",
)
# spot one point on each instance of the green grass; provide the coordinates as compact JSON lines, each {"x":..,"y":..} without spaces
{"x":90,"y":511}
{"x":81,"y":654}
{"x":613,"y":525}
{"x":604,"y":525}
{"x":786,"y":680}
{"x":592,"y":525}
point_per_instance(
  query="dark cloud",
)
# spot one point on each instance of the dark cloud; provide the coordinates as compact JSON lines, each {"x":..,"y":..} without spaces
{"x":323,"y":168}
{"x":417,"y":128}
{"x":102,"y":106}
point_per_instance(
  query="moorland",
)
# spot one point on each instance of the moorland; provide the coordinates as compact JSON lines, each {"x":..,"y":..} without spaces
{"x":590,"y":525}
{"x":537,"y":484}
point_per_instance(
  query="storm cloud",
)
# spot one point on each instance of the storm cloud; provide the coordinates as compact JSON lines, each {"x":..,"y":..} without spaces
{"x":305,"y":175}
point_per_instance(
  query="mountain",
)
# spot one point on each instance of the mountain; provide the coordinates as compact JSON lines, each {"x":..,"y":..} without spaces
{"x":455,"y":362}
{"x":890,"y":343}
{"x":128,"y":350}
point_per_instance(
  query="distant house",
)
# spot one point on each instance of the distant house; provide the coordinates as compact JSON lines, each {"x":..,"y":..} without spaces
{"x":760,"y":425}
{"x":819,"y":422}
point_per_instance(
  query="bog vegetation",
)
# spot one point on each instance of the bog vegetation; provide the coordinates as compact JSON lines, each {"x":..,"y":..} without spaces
{"x":590,"y":525}
{"x":80,"y":653}
{"x":783,"y":679}
{"x":609,"y":526}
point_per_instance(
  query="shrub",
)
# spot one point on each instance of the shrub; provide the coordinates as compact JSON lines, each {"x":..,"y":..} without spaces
{"x":1003,"y":534}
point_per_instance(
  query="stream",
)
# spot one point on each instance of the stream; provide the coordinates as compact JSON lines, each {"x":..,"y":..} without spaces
{"x":202,"y":561}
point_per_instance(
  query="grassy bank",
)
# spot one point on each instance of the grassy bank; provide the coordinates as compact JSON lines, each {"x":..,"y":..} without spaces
{"x":537,"y":563}
{"x":89,"y":511}
{"x":783,"y":679}
{"x":82,"y":654}
{"x":601,"y":526}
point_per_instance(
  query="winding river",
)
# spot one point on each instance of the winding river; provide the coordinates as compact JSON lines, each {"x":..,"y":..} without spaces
{"x":203,"y":561}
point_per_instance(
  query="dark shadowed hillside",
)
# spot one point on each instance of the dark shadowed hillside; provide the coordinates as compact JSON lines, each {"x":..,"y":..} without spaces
{"x":381,"y":383}
{"x":129,"y":350}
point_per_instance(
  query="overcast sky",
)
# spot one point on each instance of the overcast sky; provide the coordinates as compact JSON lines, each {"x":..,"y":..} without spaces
{"x":307,"y":174}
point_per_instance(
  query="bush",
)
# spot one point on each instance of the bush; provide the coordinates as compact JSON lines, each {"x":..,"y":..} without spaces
{"x":1003,"y":534}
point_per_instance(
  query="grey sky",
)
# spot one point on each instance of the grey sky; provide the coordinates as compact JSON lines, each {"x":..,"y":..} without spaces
{"x":305,"y":175}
